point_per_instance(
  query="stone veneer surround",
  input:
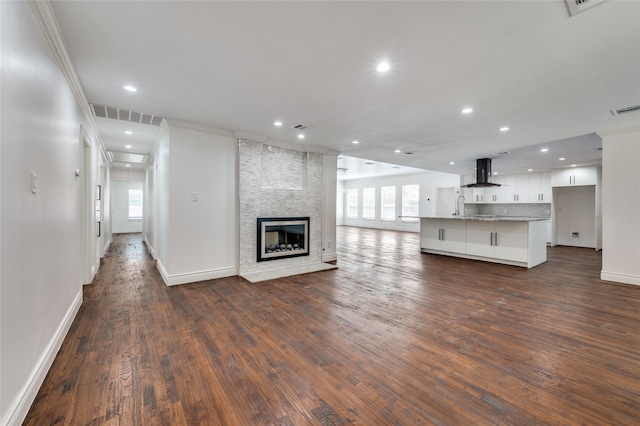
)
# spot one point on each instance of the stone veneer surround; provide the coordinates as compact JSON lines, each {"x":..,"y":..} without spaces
{"x":259,"y":200}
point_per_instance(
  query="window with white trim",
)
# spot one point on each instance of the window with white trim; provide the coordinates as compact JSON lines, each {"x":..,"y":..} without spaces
{"x":352,"y":203}
{"x":410,"y":203}
{"x":388,"y":203}
{"x":368,"y":203}
{"x":135,"y":203}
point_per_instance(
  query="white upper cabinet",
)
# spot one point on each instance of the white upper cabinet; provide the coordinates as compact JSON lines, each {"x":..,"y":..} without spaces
{"x":495,"y":194}
{"x":540,"y":187}
{"x":575,"y":176}
{"x":517,"y":190}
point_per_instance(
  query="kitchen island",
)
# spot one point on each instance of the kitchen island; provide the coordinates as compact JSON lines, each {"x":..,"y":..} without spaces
{"x":518,"y":241}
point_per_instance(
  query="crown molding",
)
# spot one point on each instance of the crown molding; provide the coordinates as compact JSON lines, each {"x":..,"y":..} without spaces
{"x":49,"y":25}
{"x":632,"y":129}
{"x":195,"y":126}
{"x":240,"y":134}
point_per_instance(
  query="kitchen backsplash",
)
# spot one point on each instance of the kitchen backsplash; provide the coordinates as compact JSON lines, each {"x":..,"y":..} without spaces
{"x":509,"y":209}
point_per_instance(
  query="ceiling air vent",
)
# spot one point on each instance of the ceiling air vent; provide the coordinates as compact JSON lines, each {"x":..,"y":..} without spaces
{"x":623,"y":110}
{"x":125,"y":115}
{"x":302,"y":127}
{"x":579,"y":6}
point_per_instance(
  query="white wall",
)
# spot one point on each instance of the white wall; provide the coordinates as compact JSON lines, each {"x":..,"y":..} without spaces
{"x":41,"y":242}
{"x":120,"y":207}
{"x":329,"y":219}
{"x":194,"y":203}
{"x":621,"y":207}
{"x":429,"y":183}
{"x":575,"y":208}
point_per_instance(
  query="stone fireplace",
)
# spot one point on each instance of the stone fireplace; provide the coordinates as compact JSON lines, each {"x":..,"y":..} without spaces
{"x":279,"y":187}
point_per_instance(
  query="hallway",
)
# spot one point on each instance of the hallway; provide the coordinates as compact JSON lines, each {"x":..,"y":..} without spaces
{"x":391,"y":337}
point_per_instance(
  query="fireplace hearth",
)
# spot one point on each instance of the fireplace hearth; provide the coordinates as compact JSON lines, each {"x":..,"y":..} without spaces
{"x":282,"y":237}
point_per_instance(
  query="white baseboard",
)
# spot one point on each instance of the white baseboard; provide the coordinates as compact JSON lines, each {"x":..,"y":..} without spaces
{"x":620,"y":278}
{"x":192,"y":277}
{"x":105,"y":249}
{"x":18,"y":411}
{"x":150,"y":249}
{"x":331,"y":257}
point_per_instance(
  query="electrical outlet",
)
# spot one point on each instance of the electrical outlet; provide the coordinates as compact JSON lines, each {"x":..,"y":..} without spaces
{"x":575,"y":235}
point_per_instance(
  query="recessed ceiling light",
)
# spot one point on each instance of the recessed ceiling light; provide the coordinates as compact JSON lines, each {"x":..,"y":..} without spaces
{"x":130,"y":89}
{"x":128,"y":146}
{"x":300,"y":136}
{"x":355,"y":142}
{"x":467,"y":110}
{"x":495,"y":173}
{"x":127,"y":165}
{"x":529,"y":170}
{"x":574,"y":165}
{"x":397,"y":151}
{"x":383,"y":67}
{"x":277,"y":123}
{"x":504,"y":129}
{"x":452,"y":162}
{"x":544,"y":150}
{"x":561,"y":158}
{"x":128,"y":132}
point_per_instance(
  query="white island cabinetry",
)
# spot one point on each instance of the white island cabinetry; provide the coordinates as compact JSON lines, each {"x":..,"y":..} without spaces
{"x":509,"y":240}
{"x":443,"y":234}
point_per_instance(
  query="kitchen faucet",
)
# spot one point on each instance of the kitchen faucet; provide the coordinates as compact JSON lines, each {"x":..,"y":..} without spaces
{"x":457,"y":212}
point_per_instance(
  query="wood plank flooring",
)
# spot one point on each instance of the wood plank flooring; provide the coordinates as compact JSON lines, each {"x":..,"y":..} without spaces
{"x":392,"y":337}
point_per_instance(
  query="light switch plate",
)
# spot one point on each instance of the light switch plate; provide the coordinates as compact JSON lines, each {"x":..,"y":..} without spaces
{"x":34,"y":182}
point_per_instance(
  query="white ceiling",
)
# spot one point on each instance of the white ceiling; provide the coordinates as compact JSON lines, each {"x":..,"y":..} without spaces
{"x":241,"y":65}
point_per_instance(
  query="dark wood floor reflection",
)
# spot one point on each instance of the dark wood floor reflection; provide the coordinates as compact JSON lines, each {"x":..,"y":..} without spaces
{"x":391,"y":337}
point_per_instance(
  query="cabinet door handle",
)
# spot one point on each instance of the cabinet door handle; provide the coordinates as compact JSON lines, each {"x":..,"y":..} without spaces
{"x":495,"y":239}
{"x":491,"y":238}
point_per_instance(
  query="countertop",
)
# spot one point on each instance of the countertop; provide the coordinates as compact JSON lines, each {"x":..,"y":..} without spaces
{"x":489,"y":218}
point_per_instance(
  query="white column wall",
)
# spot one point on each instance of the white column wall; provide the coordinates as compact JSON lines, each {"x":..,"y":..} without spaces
{"x":194,"y":237}
{"x":41,"y":241}
{"x":203,"y":232}
{"x":621,"y":207}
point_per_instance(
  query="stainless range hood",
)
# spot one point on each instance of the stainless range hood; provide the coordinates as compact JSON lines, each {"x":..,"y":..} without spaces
{"x":483,"y":175}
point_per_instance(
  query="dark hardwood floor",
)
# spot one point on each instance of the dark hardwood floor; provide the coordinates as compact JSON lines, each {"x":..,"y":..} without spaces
{"x":392,"y":337}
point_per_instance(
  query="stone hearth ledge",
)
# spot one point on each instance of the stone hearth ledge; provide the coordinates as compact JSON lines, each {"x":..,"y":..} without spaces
{"x":255,"y":277}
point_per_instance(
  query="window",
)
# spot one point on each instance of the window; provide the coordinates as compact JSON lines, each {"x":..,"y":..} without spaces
{"x":388,"y":203}
{"x":135,"y":203}
{"x":352,"y":203}
{"x":410,"y":202}
{"x":369,"y":203}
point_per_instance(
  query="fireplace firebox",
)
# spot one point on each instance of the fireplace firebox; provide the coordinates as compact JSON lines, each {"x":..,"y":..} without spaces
{"x":282,"y":237}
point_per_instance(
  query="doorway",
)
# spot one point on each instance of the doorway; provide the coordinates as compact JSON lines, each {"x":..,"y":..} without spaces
{"x":446,"y":201}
